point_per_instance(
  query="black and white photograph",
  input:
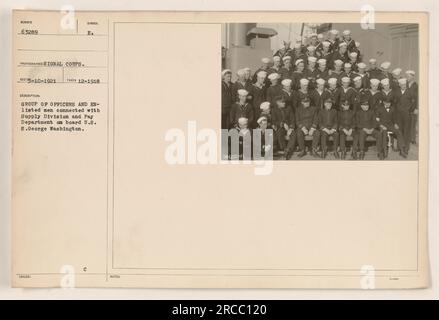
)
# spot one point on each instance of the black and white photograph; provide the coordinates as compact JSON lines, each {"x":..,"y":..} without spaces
{"x":334,"y":91}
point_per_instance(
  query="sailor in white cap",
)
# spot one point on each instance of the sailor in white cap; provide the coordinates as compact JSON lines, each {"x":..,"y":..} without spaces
{"x":298,"y":73}
{"x":241,"y":109}
{"x":265,"y":66}
{"x":277,"y":64}
{"x":287,"y":70}
{"x":341,"y":53}
{"x":347,"y":71}
{"x":363,"y":74}
{"x":320,"y":94}
{"x":333,"y":39}
{"x":322,"y":70}
{"x":313,"y":41}
{"x":375,"y":93}
{"x":386,"y":90}
{"x":413,"y":88}
{"x":358,"y":82}
{"x":311,"y":71}
{"x":226,"y":97}
{"x":248,"y":77}
{"x":353,"y":60}
{"x":311,"y":51}
{"x":348,"y":40}
{"x":406,"y":105}
{"x":299,"y":52}
{"x":285,"y":51}
{"x":257,"y":92}
{"x":385,"y":70}
{"x":346,"y":92}
{"x":332,"y":84}
{"x":264,"y":111}
{"x":374,"y":72}
{"x":287,"y":92}
{"x":274,"y":89}
{"x":240,"y":83}
{"x":325,"y":53}
{"x":319,"y":44}
{"x":338,"y":69}
{"x":245,"y":139}
{"x":396,"y":75}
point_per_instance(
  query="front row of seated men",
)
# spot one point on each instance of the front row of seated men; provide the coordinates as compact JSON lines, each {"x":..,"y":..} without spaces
{"x":291,"y":127}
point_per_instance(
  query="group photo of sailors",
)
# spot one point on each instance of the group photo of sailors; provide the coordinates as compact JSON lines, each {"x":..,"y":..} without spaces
{"x":321,"y":99}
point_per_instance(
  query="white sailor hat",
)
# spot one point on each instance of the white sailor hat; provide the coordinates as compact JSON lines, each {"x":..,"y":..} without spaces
{"x":353,"y":54}
{"x":265,"y":106}
{"x":226,"y":71}
{"x":273,"y":76}
{"x":333,"y":31}
{"x":320,"y":81}
{"x":358,"y":78}
{"x":276,"y":58}
{"x":347,"y":32}
{"x":304,"y":81}
{"x":286,"y":58}
{"x":347,"y":65}
{"x":357,"y":44}
{"x":261,"y":74}
{"x":346,"y":79}
{"x":241,"y":72}
{"x":361,"y":65}
{"x":286,"y":82}
{"x":410,"y":72}
{"x":311,"y":48}
{"x":385,"y":65}
{"x":385,"y":81}
{"x":312,"y":59}
{"x":402,"y":81}
{"x":326,"y":43}
{"x":313,"y":35}
{"x":397,"y":71}
{"x":298,"y":61}
{"x":261,"y":118}
{"x":372,"y":60}
{"x":320,"y":36}
{"x":338,"y":62}
{"x":332,"y":80}
{"x":322,"y":62}
{"x":242,"y":92}
{"x":343,"y":44}
{"x":242,"y":120}
{"x":374,"y":82}
{"x":265,"y":60}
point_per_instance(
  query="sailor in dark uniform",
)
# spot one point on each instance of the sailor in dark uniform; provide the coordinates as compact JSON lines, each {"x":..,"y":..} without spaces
{"x":285,"y":51}
{"x":413,"y":88}
{"x":226,"y":98}
{"x":374,"y":72}
{"x":348,"y":40}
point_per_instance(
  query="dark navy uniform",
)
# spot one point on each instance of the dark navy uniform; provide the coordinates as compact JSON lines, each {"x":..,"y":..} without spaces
{"x":405,"y":105}
{"x":241,"y":111}
{"x":346,"y":122}
{"x":387,"y":119}
{"x":327,"y":119}
{"x":226,"y":103}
